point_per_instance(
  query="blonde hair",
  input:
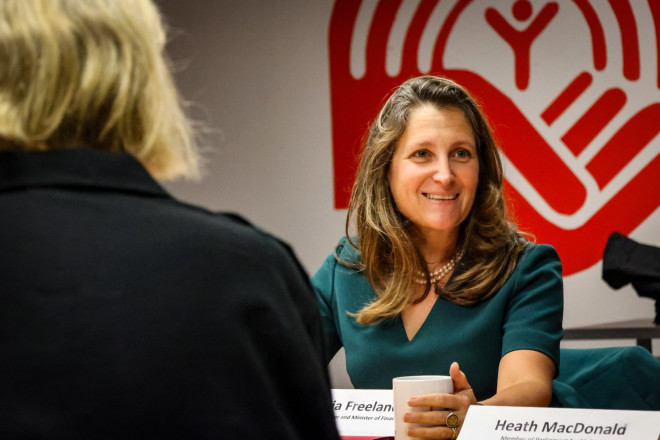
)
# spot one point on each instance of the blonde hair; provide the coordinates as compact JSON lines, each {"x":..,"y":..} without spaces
{"x":386,"y":239}
{"x":92,"y":73}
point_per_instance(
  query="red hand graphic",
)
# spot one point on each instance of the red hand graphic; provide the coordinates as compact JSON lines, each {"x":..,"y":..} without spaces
{"x":355,"y":102}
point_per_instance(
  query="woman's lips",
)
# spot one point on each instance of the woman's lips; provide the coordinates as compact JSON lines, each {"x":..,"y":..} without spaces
{"x":440,"y":196}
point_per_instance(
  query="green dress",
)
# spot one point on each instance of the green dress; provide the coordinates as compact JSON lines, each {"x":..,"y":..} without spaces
{"x":525,"y":314}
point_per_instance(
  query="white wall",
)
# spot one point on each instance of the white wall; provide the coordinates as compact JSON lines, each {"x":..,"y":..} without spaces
{"x":258,"y":71}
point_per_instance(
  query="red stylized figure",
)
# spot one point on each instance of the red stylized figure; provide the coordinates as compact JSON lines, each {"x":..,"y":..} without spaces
{"x":521,"y":41}
{"x":355,"y":102}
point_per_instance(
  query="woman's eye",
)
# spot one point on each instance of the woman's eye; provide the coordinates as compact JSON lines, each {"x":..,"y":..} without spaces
{"x":421,"y":154}
{"x":462,"y":153}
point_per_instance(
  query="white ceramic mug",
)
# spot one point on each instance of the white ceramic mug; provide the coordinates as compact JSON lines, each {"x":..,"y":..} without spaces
{"x":407,"y":386}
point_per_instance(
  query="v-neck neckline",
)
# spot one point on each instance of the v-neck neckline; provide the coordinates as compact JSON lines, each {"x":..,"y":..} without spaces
{"x":423,"y":323}
{"x":457,"y":270}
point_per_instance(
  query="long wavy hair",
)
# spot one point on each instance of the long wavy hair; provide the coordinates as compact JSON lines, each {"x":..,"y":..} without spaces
{"x":387,"y":240}
{"x":92,"y":73}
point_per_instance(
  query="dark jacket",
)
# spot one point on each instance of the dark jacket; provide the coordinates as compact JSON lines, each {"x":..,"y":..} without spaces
{"x":125,"y":313}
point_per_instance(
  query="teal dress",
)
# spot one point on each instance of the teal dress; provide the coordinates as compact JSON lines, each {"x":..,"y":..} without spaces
{"x":525,"y":314}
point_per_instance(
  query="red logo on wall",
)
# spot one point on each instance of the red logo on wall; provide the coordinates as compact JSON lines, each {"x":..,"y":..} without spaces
{"x":571,"y":88}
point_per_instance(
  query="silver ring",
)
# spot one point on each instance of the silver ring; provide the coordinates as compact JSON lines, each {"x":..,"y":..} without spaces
{"x":452,"y":421}
{"x":455,"y":434}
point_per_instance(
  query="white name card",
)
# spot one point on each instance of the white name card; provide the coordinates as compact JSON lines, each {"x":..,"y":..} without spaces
{"x":364,"y":414}
{"x":518,"y":423}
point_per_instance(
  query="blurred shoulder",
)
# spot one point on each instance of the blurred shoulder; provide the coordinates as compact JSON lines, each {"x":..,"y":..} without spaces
{"x":539,"y":251}
{"x":229,"y":233}
{"x":347,"y":250}
{"x":539,"y":257}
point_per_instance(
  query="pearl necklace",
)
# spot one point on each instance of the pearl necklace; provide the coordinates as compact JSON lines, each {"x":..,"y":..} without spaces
{"x":440,"y":272}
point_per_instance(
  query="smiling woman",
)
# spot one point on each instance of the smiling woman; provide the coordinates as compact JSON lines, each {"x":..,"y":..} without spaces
{"x":437,"y":274}
{"x":433,"y":177}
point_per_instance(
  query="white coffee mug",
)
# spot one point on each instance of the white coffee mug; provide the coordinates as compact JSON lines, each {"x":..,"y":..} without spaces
{"x":407,"y":386}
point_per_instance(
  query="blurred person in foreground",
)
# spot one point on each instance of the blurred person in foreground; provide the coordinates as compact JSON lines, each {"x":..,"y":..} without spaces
{"x":125,"y":313}
{"x":437,"y":279}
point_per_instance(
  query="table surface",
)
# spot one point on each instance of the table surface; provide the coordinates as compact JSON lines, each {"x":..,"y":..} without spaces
{"x":635,"y":328}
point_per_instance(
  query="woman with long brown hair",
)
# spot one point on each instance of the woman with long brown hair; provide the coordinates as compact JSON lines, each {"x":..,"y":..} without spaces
{"x":435,"y":277}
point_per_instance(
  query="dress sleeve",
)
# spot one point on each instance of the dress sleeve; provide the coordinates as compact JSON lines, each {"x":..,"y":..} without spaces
{"x":324,"y":286}
{"x":534,"y":315}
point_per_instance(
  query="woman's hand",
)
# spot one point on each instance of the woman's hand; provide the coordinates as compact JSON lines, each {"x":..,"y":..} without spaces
{"x":442,"y":405}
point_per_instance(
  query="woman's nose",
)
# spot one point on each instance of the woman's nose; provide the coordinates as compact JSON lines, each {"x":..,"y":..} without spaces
{"x":443,"y":173}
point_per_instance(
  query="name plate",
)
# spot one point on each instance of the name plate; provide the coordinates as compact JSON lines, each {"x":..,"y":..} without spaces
{"x":518,"y":423}
{"x":364,"y":414}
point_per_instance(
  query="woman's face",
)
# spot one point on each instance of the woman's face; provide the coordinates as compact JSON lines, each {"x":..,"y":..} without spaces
{"x":435,"y":171}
